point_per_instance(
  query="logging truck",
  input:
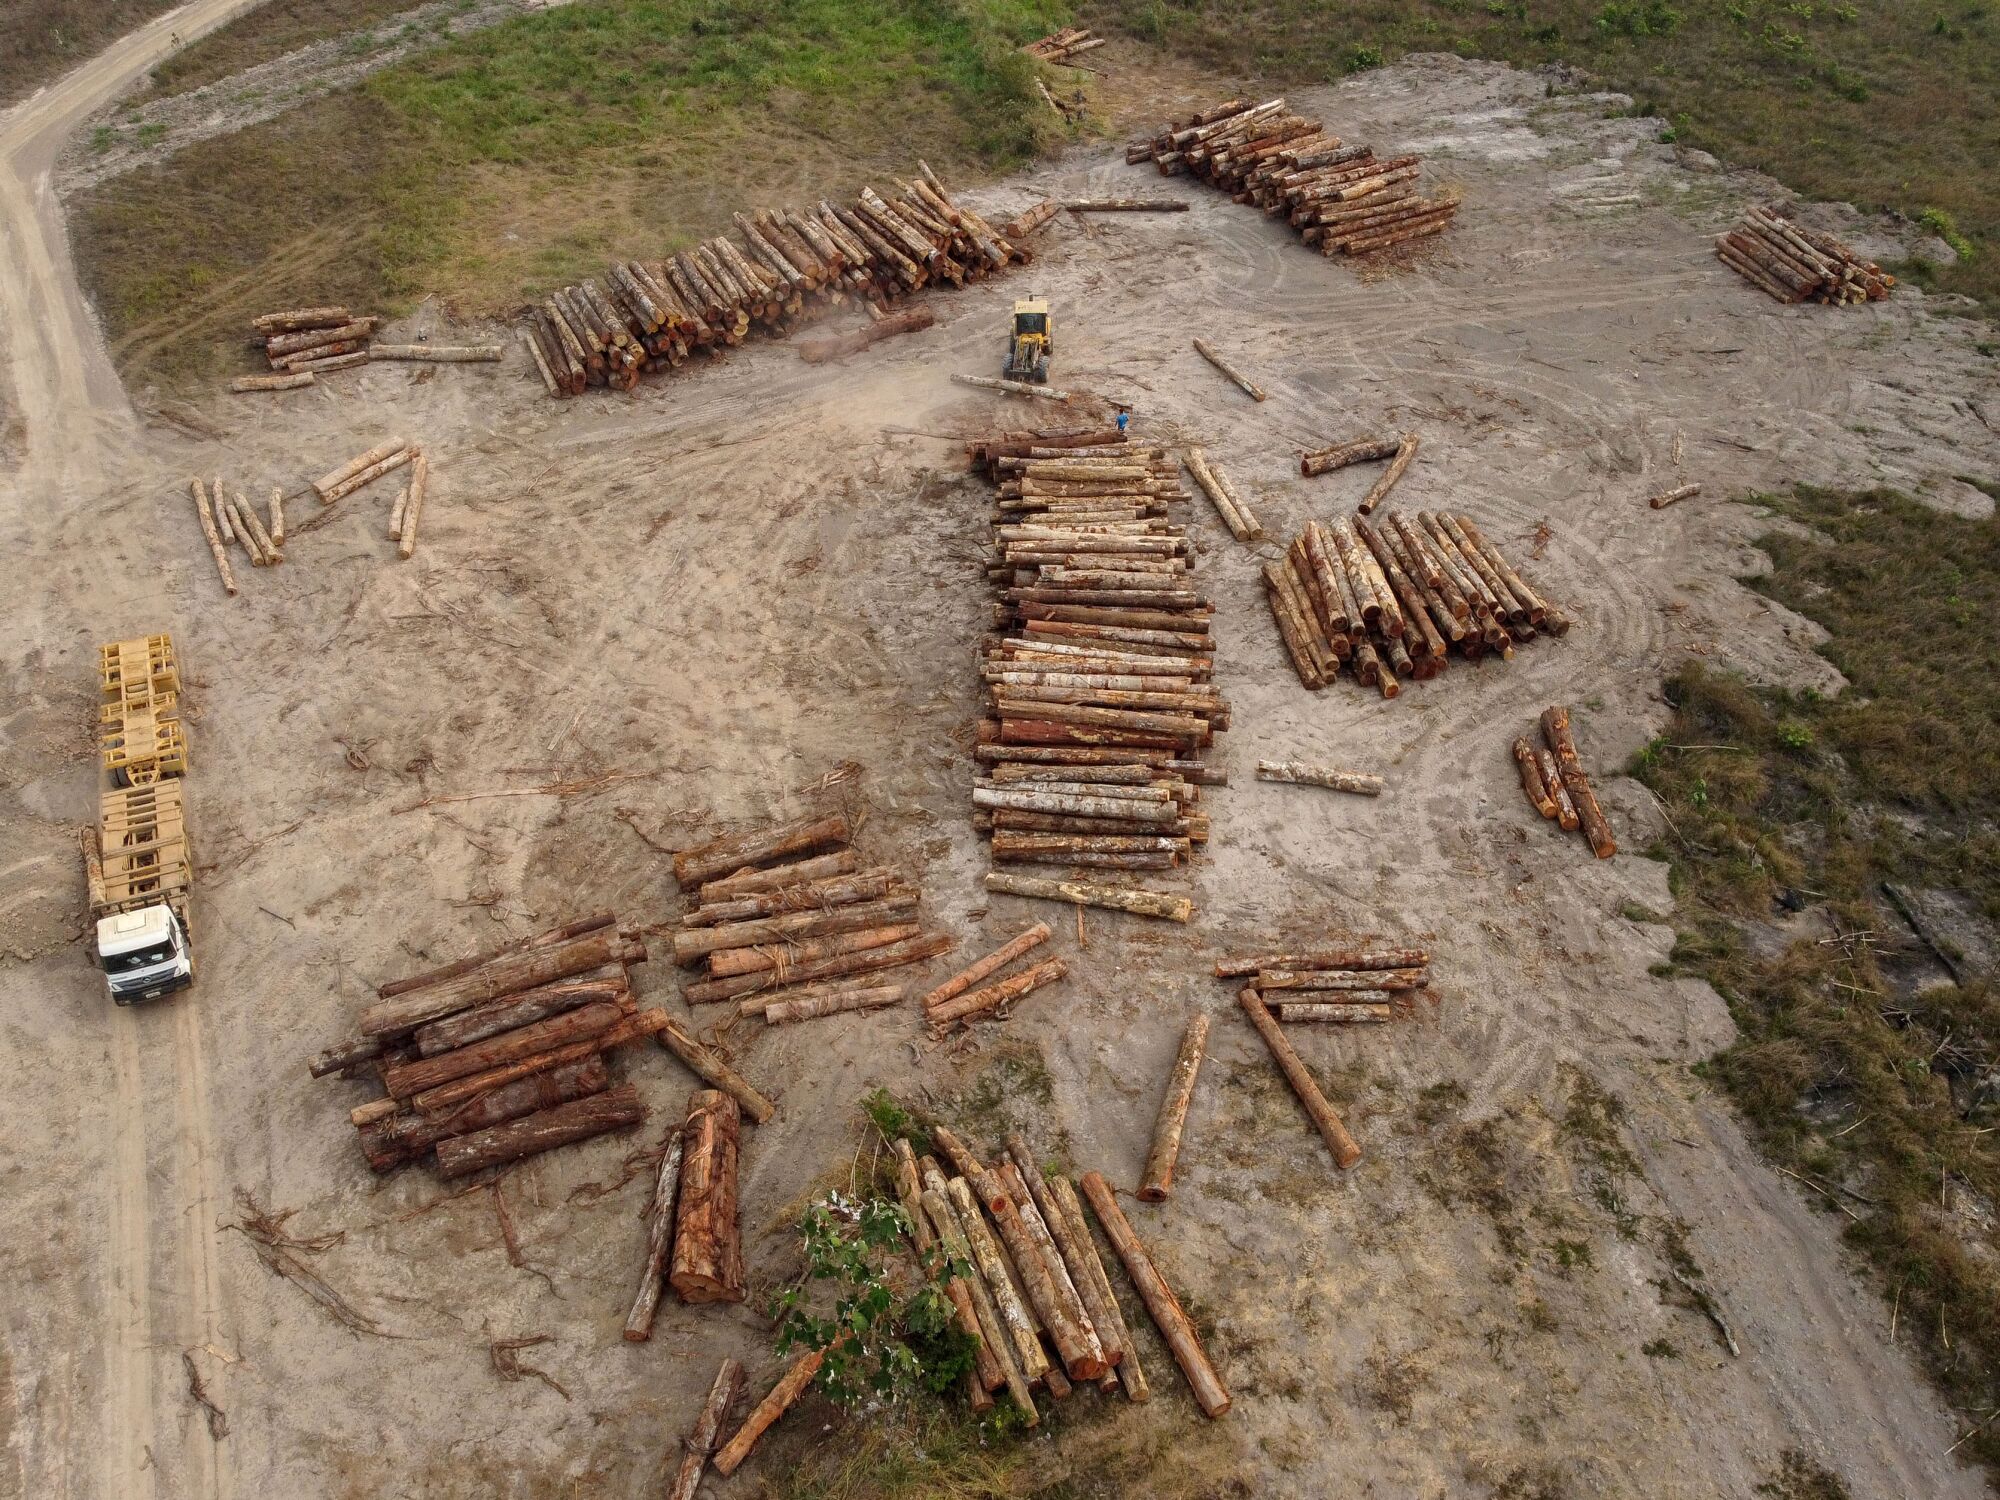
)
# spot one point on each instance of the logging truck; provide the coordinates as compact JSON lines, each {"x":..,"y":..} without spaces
{"x":136,"y":860}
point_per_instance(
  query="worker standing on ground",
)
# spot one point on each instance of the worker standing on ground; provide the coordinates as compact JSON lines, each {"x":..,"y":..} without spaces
{"x":1124,"y":416}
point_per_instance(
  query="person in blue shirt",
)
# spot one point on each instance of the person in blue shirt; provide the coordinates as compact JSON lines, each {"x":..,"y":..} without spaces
{"x":1124,"y":416}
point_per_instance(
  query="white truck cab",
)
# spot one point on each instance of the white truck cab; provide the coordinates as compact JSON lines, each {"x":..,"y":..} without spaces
{"x":144,"y":954}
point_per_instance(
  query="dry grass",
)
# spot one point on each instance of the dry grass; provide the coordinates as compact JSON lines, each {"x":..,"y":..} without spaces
{"x":40,"y":40}
{"x":270,"y":31}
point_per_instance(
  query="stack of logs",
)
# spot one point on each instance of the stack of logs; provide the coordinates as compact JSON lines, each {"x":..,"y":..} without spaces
{"x":694,"y":1237}
{"x":1552,"y":776}
{"x":1099,"y":694}
{"x":1793,"y":263}
{"x":1060,"y":46}
{"x":787,"y":924}
{"x":1390,"y":598}
{"x":305,"y":342}
{"x":1345,"y":986}
{"x":1341,"y":198}
{"x":790,"y":268}
{"x":502,"y":1055}
{"x":235,"y":519}
{"x":973,"y":993}
{"x":364,"y":469}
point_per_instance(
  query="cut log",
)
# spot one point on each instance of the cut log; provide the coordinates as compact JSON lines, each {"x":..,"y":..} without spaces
{"x":1406,"y":450}
{"x":693,"y":943}
{"x":1157,"y":1185}
{"x":1294,"y":772}
{"x":708,"y":1065}
{"x":992,"y":963}
{"x":524,"y":1009}
{"x":1013,"y":387}
{"x":1242,"y":525}
{"x":779,"y":958}
{"x":1070,"y":1244}
{"x":733,"y":852}
{"x":1082,"y":1358}
{"x":807,"y":1008}
{"x":1007,"y":1300}
{"x":659,"y":1241}
{"x":700,"y":1443}
{"x":239,"y":527}
{"x":444,"y":354}
{"x":788,"y":1389}
{"x":1596,"y":828}
{"x":707,"y":1261}
{"x":1341,"y":979}
{"x":869,"y":961}
{"x":1345,"y":1152}
{"x":1340,"y":455}
{"x":1552,"y":780}
{"x":1674,"y":496}
{"x":297,"y":318}
{"x":287,"y":382}
{"x":1131,"y":1374}
{"x":366,"y":476}
{"x":1531,"y":778}
{"x":1129,"y":206}
{"x":911,"y":320}
{"x":793,"y":872}
{"x":413,"y":508}
{"x":594,"y":922}
{"x":1164,"y":1307}
{"x":546,"y":1129}
{"x":357,"y":464}
{"x":1340,"y":1012}
{"x":504,"y":975}
{"x":814,"y":895}
{"x":974,"y":1003}
{"x":406,"y":1080}
{"x":277,"y":518}
{"x":401,"y":1139}
{"x":1111,"y":898}
{"x":993,"y":1333}
{"x":1067,"y":1299}
{"x":1242,"y":381}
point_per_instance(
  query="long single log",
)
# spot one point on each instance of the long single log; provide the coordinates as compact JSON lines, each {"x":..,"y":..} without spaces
{"x":773,"y":877}
{"x":594,"y":922}
{"x":1243,"y":528}
{"x":691,"y":944}
{"x":721,"y":856}
{"x":444,"y":354}
{"x":578,"y":1120}
{"x":502,"y":976}
{"x":708,"y":1065}
{"x":366,"y":476}
{"x":788,"y":1389}
{"x":1596,"y":828}
{"x":1345,"y":1152}
{"x":1027,"y":799}
{"x":1131,"y":1373}
{"x":208,"y":530}
{"x":910,"y":950}
{"x":699,"y":1445}
{"x":1128,"y":206}
{"x":1351,"y":1012}
{"x":992,"y":963}
{"x":867,"y":997}
{"x":357,"y":464}
{"x":1341,"y":979}
{"x":1360,"y":783}
{"x":513,"y":1011}
{"x":406,"y":1080}
{"x":289,"y":381}
{"x":282,"y":345}
{"x":911,"y":320}
{"x":1079,"y":893}
{"x":1406,"y":451}
{"x":413,"y":504}
{"x":1007,"y":1299}
{"x":964,"y":1008}
{"x":394,"y":1142}
{"x":815,"y":895}
{"x":1531,"y":778}
{"x":295,"y":319}
{"x":707,"y":1261}
{"x":659,"y":1241}
{"x":1012,"y":387}
{"x":1340,"y":455}
{"x":1237,"y":377}
{"x":994,"y":1336}
{"x":1168,"y":1316}
{"x":1158,"y":1182}
{"x":277,"y":517}
{"x":239,"y":527}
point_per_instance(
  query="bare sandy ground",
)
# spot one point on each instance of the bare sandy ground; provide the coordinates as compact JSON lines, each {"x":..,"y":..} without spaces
{"x":729,"y":584}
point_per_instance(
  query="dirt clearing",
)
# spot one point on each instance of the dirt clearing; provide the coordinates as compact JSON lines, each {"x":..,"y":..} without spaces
{"x":744,"y":576}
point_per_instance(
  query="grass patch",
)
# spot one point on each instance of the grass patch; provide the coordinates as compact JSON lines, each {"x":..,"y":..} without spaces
{"x":40,"y":40}
{"x":268,"y":32}
{"x":1784,"y":802}
{"x":516,"y":157}
{"x":1887,"y":105}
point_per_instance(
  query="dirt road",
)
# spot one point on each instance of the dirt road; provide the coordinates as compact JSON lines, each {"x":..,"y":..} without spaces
{"x":737,"y":580}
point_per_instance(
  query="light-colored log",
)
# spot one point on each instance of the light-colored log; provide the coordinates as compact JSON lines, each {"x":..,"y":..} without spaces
{"x":778,"y":958}
{"x":699,"y":1445}
{"x":994,"y":1337}
{"x":290,"y":381}
{"x":277,"y":518}
{"x":1242,"y":381}
{"x":1007,"y":1299}
{"x":693,"y":943}
{"x":1158,"y":1182}
{"x":1406,"y":451}
{"x":366,"y":476}
{"x":1674,"y":496}
{"x":355,"y":465}
{"x":1295,"y":772}
{"x":1012,"y":387}
{"x":208,"y":530}
{"x":1131,"y":1374}
{"x":1566,"y":816}
{"x":1345,"y":1152}
{"x":708,"y":1065}
{"x":1355,"y":1012}
{"x":1531,"y":778}
{"x":1078,"y":893}
{"x":792,"y":872}
{"x":973,"y":1003}
{"x":413,"y":508}
{"x":1341,"y":979}
{"x":1062,"y":1286}
{"x":1168,"y":1316}
{"x":840,"y":966}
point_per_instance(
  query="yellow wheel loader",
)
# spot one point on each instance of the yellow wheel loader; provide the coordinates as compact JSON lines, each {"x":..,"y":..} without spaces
{"x":1031,"y":343}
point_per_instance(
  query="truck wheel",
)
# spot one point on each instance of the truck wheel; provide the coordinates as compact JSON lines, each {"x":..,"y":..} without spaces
{"x":1042,"y":370}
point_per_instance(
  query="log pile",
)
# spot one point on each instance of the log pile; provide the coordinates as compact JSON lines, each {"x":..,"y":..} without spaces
{"x":1033,"y":1290}
{"x":786,"y":923}
{"x":305,"y":342}
{"x":1552,"y":778}
{"x":234,"y":520}
{"x":789,"y":268}
{"x":1355,"y":986}
{"x":1099,"y":692}
{"x":1061,"y":46}
{"x":1391,"y":598}
{"x":1792,"y":263}
{"x":502,"y":1055}
{"x":1341,"y":198}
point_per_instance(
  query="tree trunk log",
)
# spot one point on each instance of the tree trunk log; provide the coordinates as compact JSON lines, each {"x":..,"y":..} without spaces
{"x":395,"y":1142}
{"x":994,"y":1336}
{"x":1100,"y":1311}
{"x":732,"y":852}
{"x":869,"y":961}
{"x":355,"y":465}
{"x":779,"y":958}
{"x":700,"y":1443}
{"x":1298,"y":773}
{"x":287,"y":382}
{"x":707,"y":1263}
{"x":964,"y":1008}
{"x":1078,"y":893}
{"x":1531,"y":778}
{"x":295,"y":319}
{"x":1131,"y":1373}
{"x":1242,"y":381}
{"x":406,"y":1080}
{"x":794,"y":872}
{"x":1173,"y":1322}
{"x":446,"y":354}
{"x":1674,"y":496}
{"x":1082,"y":1358}
{"x":1552,"y":781}
{"x":208,"y":529}
{"x":366,"y":476}
{"x":450,"y":1095}
{"x":1007,"y":1301}
{"x":693,"y":943}
{"x":504,"y":975}
{"x":815,"y":895}
{"x":659,"y":1241}
{"x":708,"y":1065}
{"x":595,"y":922}
{"x":992,"y":963}
{"x":1406,"y":450}
{"x":1067,"y":1298}
{"x":578,"y":1120}
{"x":1345,"y":1152}
{"x":1340,"y":455}
{"x":1158,"y":1183}
{"x":413,"y":508}
{"x":525,"y":1009}
{"x":809,"y":1008}
{"x":1555,"y":729}
{"x":912,"y":320}
{"x":1013,"y":387}
{"x":783,"y":1394}
{"x":1341,"y":979}
{"x":1345,"y":1012}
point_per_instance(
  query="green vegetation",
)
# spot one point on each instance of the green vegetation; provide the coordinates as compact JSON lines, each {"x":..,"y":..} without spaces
{"x":1887,"y":105}
{"x":270,"y":31}
{"x":506,"y":160}
{"x":40,"y":40}
{"x":1874,"y":1098}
